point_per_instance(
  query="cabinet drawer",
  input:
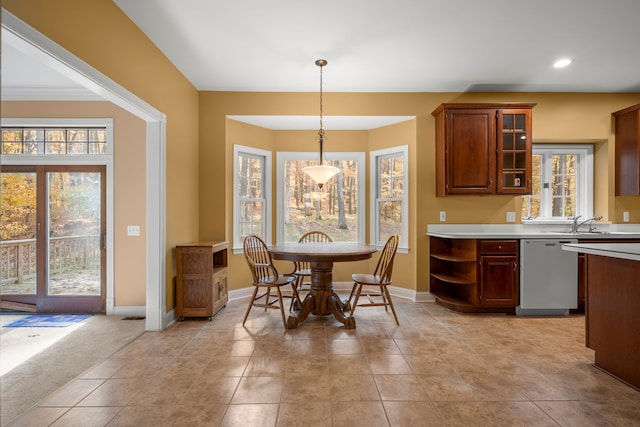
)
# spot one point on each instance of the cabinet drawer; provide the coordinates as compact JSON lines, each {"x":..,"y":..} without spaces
{"x":498,"y":246}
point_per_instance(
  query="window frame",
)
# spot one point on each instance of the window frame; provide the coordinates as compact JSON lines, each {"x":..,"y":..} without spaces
{"x":374,"y":175}
{"x":266,"y":187}
{"x":359,"y":157}
{"x":61,"y":159}
{"x":584,"y":193}
{"x":106,"y":159}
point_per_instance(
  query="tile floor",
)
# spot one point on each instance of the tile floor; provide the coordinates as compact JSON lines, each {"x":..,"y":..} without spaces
{"x":439,"y":368}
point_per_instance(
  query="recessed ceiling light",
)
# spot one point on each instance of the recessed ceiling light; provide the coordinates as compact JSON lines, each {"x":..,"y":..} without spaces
{"x":561,"y":63}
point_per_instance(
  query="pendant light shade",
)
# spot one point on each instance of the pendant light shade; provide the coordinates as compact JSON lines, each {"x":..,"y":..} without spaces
{"x":321,"y":173}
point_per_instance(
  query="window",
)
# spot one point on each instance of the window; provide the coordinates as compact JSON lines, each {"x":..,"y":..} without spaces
{"x":252,"y":201}
{"x":562,"y":183}
{"x":56,"y":141}
{"x":338,"y":209}
{"x":389,"y":195}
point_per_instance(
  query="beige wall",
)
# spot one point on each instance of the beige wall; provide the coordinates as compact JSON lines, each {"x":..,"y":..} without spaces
{"x":128,"y":182}
{"x":339,"y":141}
{"x":122,"y":52}
{"x":558,"y":117}
{"x":199,"y":153}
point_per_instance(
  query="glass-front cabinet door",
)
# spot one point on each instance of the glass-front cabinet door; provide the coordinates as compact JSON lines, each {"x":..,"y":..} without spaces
{"x":514,"y":151}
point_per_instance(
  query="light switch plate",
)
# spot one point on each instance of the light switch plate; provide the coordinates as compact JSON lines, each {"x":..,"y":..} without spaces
{"x":511,"y":217}
{"x":625,"y":216}
{"x":133,"y":230}
{"x":443,"y":216}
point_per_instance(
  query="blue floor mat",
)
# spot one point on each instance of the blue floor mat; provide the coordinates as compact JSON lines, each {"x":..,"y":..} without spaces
{"x":47,"y":321}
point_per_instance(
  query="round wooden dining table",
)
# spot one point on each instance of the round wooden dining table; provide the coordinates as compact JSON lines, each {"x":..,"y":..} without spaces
{"x":322,"y":299}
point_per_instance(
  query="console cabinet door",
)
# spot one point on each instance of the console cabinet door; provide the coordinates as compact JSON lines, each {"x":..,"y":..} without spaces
{"x":499,"y":280}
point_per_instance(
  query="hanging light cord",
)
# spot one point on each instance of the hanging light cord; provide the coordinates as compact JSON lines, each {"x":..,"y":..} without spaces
{"x":321,"y":63}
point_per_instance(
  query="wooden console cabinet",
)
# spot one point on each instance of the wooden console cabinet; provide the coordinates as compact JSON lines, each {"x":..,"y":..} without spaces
{"x":470,"y":275}
{"x":202,"y":279}
{"x":483,"y":148}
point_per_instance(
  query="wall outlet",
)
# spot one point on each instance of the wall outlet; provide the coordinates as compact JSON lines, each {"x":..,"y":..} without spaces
{"x":625,"y":216}
{"x":443,"y":216}
{"x":511,"y":217}
{"x":133,"y":230}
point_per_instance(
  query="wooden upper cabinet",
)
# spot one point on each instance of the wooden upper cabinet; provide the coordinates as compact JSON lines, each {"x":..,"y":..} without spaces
{"x":627,"y":151}
{"x":483,"y":148}
{"x":470,"y":151}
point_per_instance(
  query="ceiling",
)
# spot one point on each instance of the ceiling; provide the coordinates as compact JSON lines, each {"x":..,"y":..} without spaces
{"x":376,"y":46}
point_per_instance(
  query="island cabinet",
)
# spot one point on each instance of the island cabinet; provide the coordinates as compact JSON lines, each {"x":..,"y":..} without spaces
{"x":471,"y":275}
{"x":627,"y":151}
{"x":201,"y":283}
{"x":612,"y":315}
{"x":582,"y":269}
{"x":483,"y":148}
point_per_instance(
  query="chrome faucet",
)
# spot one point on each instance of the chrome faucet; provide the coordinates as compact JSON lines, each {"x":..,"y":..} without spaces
{"x":575,"y":226}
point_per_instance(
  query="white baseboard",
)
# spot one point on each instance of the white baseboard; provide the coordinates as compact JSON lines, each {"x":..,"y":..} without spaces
{"x":346,"y":287}
{"x":169,"y":317}
{"x":130,"y":310}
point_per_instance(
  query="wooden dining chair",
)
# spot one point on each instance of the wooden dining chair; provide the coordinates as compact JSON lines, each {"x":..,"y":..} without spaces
{"x":378,"y":281}
{"x":302,"y":270}
{"x":265,"y":276}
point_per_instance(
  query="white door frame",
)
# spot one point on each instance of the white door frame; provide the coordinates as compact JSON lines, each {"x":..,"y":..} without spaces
{"x":35,"y":44}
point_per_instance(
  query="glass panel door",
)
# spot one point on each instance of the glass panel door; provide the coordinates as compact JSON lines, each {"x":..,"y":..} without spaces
{"x":52,"y":227}
{"x":18,"y":269}
{"x":74,"y":236}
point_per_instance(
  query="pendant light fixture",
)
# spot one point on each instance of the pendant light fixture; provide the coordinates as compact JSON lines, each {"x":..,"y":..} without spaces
{"x":321,"y":173}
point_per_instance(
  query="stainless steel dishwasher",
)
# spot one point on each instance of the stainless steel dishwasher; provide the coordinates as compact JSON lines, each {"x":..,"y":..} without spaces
{"x":548,"y":277}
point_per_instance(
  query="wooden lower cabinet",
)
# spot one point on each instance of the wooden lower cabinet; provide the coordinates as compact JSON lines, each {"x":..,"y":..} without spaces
{"x":201,"y":283}
{"x":499,"y":274}
{"x":471,"y":275}
{"x":499,"y":281}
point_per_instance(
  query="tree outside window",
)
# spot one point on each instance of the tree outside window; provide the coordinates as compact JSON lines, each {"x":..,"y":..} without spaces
{"x":562,"y":183}
{"x":252,"y":204}
{"x":336,"y":209}
{"x":389,"y":209}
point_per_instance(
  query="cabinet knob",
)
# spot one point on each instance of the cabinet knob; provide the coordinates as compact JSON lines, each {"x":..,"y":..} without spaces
{"x":499,"y":246}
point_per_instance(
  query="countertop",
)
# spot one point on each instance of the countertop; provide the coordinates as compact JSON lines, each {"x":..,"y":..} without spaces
{"x":630,"y":251}
{"x":530,"y":231}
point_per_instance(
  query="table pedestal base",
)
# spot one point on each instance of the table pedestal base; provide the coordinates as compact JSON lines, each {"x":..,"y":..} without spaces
{"x":322,"y":300}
